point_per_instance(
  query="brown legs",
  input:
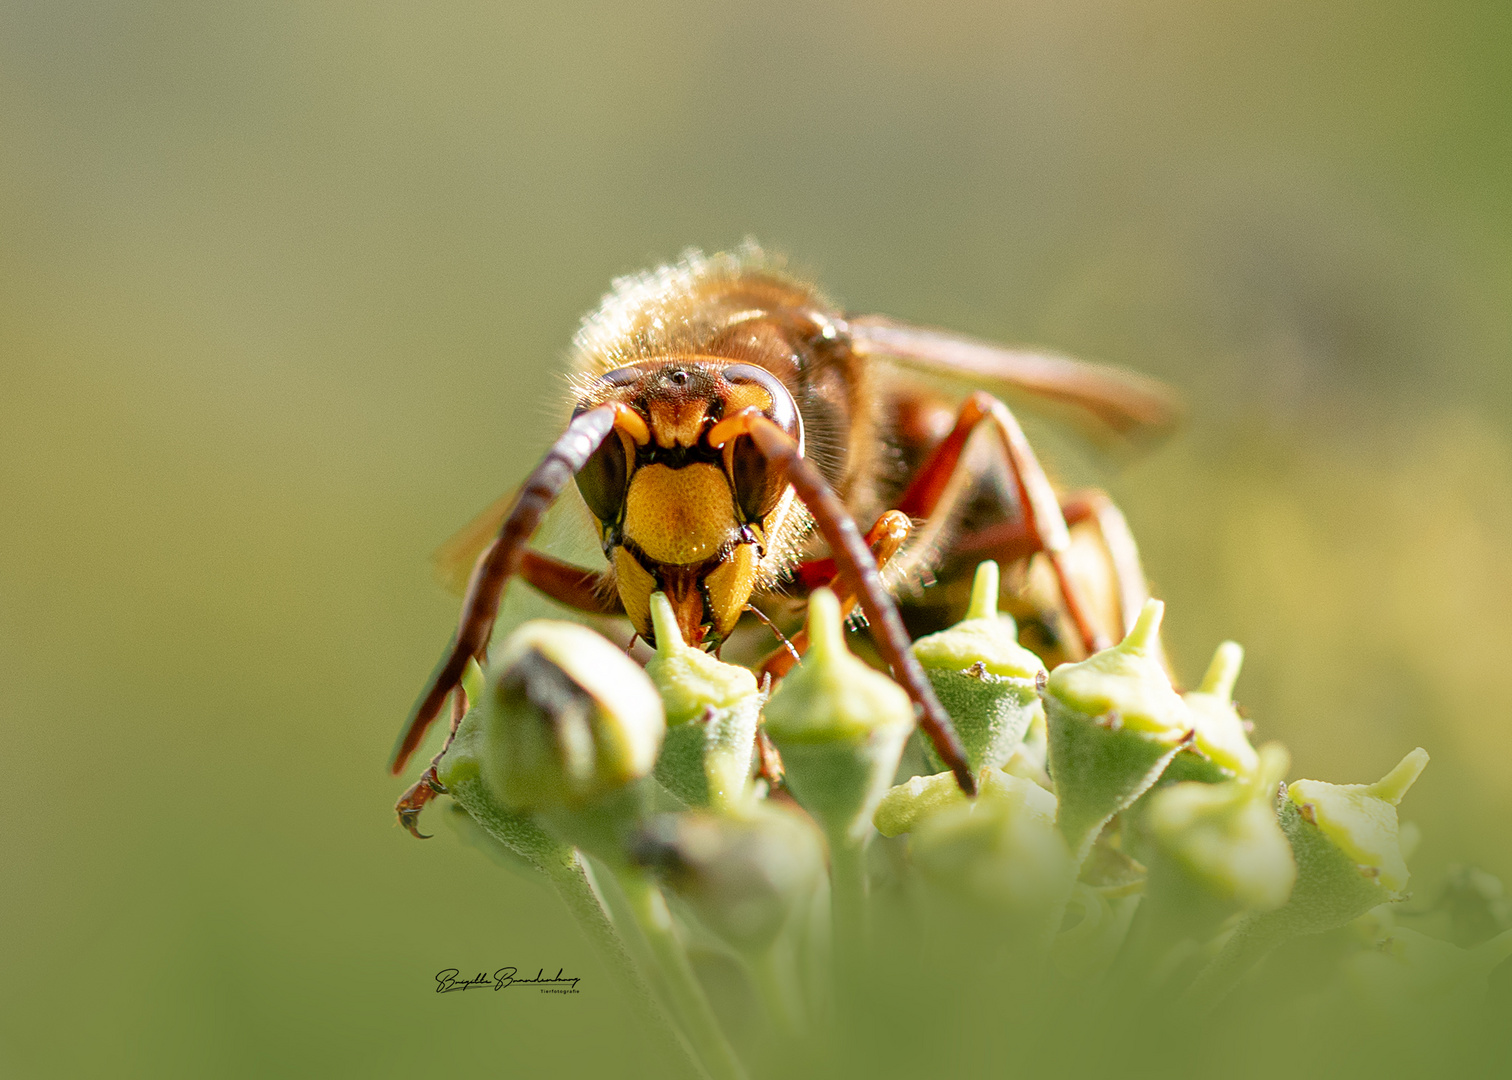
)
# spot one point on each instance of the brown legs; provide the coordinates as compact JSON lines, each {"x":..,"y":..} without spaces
{"x":568,"y":584}
{"x":884,"y":540}
{"x":944,"y":480}
{"x":1085,"y":527}
{"x":500,"y":561}
{"x":858,"y":576}
{"x":422,"y":791}
{"x":564,"y":583}
{"x":933,"y":495}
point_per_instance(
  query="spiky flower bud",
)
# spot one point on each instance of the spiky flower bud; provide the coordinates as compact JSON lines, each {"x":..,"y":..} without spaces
{"x":1115,"y":723}
{"x":1345,"y":841}
{"x":1220,"y":749}
{"x":985,"y":679}
{"x":1360,"y":820}
{"x":919,"y":797}
{"x":460,"y":770}
{"x":712,"y":711}
{"x":840,"y":726}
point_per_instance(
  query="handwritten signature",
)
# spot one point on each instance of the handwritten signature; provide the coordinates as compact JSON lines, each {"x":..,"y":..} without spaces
{"x":451,"y":979}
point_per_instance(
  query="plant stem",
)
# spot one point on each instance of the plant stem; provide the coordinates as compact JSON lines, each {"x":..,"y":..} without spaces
{"x":1250,"y":943}
{"x":848,"y":902}
{"x":572,"y":879}
{"x":848,"y":926}
{"x":688,"y":998}
{"x":772,"y":974}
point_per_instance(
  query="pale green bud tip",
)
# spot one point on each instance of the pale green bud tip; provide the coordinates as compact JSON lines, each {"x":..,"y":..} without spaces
{"x":983,"y":640}
{"x":984,"y":592}
{"x":669,"y":639}
{"x":832,"y":694}
{"x":1226,"y":837}
{"x":1361,"y":819}
{"x":1128,"y":680}
{"x":826,"y":629}
{"x":1145,"y":633}
{"x":690,"y":680}
{"x":1396,"y":783}
{"x":905,"y":805}
{"x":998,"y":851}
{"x":1275,"y":759}
{"x":908,"y":804}
{"x":1219,"y":730}
{"x":1223,"y":672}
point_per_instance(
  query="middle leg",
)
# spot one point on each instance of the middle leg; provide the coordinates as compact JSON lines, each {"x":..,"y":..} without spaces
{"x":884,"y":539}
{"x":946,"y":479}
{"x":1099,"y":533}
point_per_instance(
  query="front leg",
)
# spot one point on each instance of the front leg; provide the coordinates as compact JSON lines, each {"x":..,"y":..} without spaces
{"x":508,"y":555}
{"x":858,"y":575}
{"x":569,"y":585}
{"x":502,"y":559}
{"x":419,"y":794}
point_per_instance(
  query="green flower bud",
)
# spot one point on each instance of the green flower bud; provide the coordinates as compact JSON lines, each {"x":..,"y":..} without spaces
{"x":910,"y":802}
{"x":565,"y":717}
{"x":1220,"y":750}
{"x":712,"y":712}
{"x":1344,"y":839}
{"x":919,"y":797}
{"x":1222,"y":842}
{"x":1126,"y":680}
{"x":999,"y":851}
{"x":985,"y":679}
{"x":1114,"y":724}
{"x":1361,"y":819}
{"x":840,"y":726}
{"x":690,"y":680}
{"x":745,"y":877}
{"x":460,"y":770}
{"x":556,"y":756}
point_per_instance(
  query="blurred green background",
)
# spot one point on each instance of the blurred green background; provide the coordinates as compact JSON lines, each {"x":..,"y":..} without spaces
{"x":283,"y":290}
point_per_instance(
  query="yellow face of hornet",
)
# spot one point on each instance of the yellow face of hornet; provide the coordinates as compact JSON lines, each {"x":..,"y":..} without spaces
{"x":706,"y":523}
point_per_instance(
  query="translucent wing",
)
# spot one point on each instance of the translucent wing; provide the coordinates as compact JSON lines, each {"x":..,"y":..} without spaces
{"x":563,"y":530}
{"x":1122,"y":402}
{"x":453,"y":561}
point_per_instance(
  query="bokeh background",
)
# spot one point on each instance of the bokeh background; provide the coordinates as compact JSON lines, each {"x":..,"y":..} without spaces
{"x":283,"y":291}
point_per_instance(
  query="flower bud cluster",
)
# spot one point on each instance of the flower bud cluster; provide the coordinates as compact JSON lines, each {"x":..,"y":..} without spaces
{"x":1120,"y":828}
